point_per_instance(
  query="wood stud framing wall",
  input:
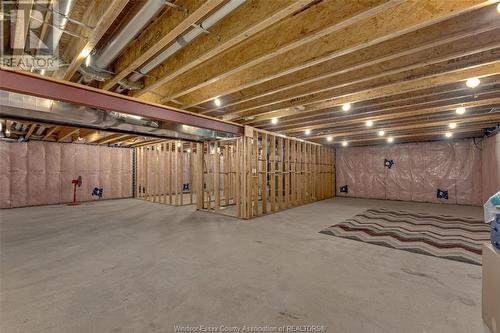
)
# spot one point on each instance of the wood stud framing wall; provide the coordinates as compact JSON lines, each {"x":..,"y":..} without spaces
{"x":263,"y":172}
{"x":161,"y":171}
{"x":246,"y":177}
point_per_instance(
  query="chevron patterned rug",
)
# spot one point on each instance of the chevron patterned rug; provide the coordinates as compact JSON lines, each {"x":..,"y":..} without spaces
{"x":443,"y":236}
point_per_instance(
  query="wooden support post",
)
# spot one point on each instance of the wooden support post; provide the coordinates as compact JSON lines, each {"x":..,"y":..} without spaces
{"x":226,"y":168}
{"x":281,"y":174}
{"x":147,"y":170}
{"x":264,"y":174}
{"x":199,"y":176}
{"x":288,"y":169}
{"x":255,"y":174}
{"x":272,"y":176}
{"x":216,"y":172}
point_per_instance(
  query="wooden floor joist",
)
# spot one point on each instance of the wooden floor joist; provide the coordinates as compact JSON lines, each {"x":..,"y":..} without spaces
{"x":405,"y":17}
{"x":286,"y":66}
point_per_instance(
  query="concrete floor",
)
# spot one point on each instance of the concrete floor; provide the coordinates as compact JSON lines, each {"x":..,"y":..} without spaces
{"x":134,"y":266}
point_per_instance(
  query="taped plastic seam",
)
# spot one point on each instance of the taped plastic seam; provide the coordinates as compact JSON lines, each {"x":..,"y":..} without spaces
{"x":419,"y":170}
{"x":40,"y":173}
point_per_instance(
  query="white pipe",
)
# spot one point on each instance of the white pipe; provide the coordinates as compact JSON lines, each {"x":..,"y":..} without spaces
{"x":186,"y":38}
{"x":129,"y":32}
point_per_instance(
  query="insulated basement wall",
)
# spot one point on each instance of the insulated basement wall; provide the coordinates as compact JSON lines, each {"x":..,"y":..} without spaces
{"x":491,"y":166}
{"x":40,"y":173}
{"x":419,"y":170}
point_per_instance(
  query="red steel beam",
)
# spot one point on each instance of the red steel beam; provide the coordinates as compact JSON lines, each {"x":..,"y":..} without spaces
{"x":36,"y":85}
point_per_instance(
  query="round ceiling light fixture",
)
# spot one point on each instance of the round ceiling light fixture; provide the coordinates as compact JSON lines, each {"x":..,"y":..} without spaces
{"x":472,"y":82}
{"x":346,"y":107}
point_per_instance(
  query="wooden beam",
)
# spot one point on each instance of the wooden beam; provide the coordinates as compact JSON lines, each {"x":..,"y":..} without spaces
{"x":101,"y":14}
{"x":146,"y":143}
{"x":158,"y":35}
{"x":249,"y":19}
{"x":50,"y":131}
{"x":113,"y":138}
{"x":471,"y":24}
{"x":123,"y":139}
{"x":401,"y":19}
{"x":330,"y":90}
{"x":31,"y":129}
{"x":488,"y":118}
{"x":378,"y":116}
{"x":439,"y":58}
{"x":466,"y":131}
{"x":376,"y":92}
{"x":65,"y":133}
{"x":435,"y":96}
{"x":322,"y":18}
{"x":96,"y":136}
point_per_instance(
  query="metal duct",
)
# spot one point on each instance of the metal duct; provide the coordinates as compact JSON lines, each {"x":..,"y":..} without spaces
{"x":89,"y":74}
{"x":129,"y":32}
{"x":19,"y":106}
{"x":62,"y":9}
{"x":185,"y":39}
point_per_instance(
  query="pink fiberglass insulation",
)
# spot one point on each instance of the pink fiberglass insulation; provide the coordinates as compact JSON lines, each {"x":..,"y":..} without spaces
{"x":491,"y":166}
{"x":53,"y":169}
{"x":419,"y":170}
{"x":38,"y":173}
{"x":18,"y":174}
{"x":4,"y":176}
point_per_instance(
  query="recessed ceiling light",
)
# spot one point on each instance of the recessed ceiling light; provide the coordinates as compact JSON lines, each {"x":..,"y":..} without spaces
{"x":329,"y":139}
{"x":344,"y":143}
{"x":307,"y":131}
{"x":452,"y":125}
{"x":42,"y":72}
{"x":390,"y":139}
{"x":460,"y":110}
{"x":85,"y":52}
{"x":381,"y":133}
{"x":274,"y":121}
{"x":472,"y":82}
{"x":188,"y":150}
{"x":346,"y":107}
{"x":217,"y":101}
{"x":448,"y":134}
{"x":369,"y":123}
